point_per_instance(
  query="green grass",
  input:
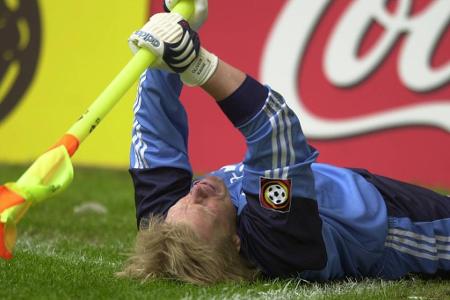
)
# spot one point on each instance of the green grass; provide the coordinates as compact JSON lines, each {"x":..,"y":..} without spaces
{"x":62,"y":254}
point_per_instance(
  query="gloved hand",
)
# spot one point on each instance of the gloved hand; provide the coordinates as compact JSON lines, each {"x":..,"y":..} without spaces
{"x":170,"y":38}
{"x":177,"y":47}
{"x":200,"y":12}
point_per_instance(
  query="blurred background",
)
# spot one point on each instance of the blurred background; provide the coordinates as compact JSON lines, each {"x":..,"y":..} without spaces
{"x":369,"y":79}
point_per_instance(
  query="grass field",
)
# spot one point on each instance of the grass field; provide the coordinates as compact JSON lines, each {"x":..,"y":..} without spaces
{"x":65,"y":251}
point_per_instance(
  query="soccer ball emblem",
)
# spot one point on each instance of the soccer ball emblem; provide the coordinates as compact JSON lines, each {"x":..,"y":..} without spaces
{"x":276,"y":194}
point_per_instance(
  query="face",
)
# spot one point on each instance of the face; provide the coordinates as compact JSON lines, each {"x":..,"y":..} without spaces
{"x":207,"y":209}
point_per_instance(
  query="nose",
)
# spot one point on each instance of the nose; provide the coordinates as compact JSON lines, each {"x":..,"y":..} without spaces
{"x":199,"y":194}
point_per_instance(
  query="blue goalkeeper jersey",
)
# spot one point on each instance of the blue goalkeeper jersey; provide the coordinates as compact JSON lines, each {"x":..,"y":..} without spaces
{"x":295,"y":216}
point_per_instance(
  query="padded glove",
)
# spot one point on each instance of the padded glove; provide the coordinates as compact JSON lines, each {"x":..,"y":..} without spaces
{"x":170,"y":38}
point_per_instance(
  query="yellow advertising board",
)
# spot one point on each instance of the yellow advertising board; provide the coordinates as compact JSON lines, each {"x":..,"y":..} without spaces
{"x":56,"y":57}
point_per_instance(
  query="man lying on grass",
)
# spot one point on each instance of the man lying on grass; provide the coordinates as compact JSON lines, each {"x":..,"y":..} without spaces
{"x":276,"y":214}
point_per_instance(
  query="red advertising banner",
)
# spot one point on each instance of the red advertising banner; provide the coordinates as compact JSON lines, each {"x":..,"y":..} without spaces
{"x":368,"y":79}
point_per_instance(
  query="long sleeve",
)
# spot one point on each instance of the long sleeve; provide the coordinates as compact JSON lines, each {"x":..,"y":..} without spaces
{"x":159,"y":163}
{"x":280,"y":227}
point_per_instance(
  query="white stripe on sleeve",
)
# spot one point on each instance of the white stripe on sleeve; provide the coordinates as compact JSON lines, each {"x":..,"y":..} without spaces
{"x":419,"y":245}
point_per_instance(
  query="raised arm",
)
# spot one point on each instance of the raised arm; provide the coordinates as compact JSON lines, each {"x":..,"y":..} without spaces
{"x":159,"y":162}
{"x":281,"y":223}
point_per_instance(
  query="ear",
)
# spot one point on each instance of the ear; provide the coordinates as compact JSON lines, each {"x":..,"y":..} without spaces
{"x":237,"y":242}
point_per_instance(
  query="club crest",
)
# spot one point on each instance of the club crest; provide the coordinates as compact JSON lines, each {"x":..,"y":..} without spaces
{"x":275,"y":194}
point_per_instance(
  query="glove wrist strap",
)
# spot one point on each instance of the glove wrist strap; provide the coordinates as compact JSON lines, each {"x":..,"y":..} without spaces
{"x":201,"y":69}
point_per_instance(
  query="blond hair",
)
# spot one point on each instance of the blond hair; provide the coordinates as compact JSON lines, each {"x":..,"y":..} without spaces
{"x":174,"y":251}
